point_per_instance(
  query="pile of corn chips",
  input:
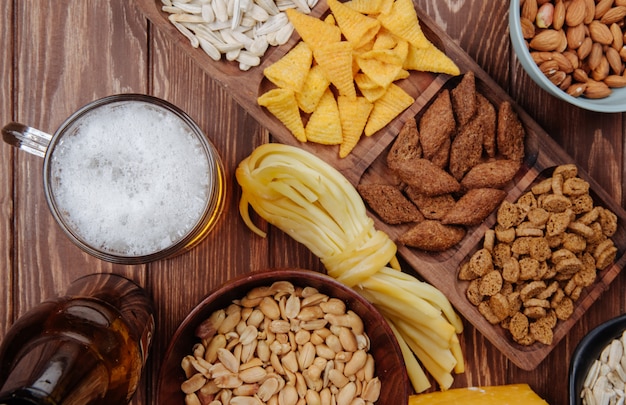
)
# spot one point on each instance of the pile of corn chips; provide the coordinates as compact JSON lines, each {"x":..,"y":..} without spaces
{"x":341,"y":74}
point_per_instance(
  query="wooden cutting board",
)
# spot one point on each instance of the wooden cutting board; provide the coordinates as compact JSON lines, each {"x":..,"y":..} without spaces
{"x":366,"y":164}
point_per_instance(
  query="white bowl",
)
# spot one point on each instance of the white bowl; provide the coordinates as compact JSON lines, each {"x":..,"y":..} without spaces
{"x":616,"y":102}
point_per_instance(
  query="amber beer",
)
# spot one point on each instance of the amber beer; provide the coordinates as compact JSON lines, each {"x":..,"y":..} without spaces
{"x":132,"y":179}
{"x":87,"y":347}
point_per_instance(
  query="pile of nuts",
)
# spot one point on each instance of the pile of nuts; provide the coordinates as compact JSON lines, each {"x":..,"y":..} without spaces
{"x":239,"y":30}
{"x":577,"y":44}
{"x":281,"y":344}
{"x":606,"y":379}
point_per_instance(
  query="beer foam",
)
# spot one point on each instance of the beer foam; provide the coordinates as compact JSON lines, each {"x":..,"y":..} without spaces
{"x":131,"y":179}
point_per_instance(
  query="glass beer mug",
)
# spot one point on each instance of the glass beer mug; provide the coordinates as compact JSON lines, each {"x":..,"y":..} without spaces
{"x":130,"y":178}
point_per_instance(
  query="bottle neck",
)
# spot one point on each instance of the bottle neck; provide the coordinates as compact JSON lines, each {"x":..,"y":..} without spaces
{"x":54,"y":371}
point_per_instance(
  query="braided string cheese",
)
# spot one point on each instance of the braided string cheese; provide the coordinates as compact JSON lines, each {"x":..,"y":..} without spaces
{"x":316,"y":205}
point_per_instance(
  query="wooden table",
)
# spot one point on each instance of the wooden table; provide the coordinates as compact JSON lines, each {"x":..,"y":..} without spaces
{"x":57,"y":56}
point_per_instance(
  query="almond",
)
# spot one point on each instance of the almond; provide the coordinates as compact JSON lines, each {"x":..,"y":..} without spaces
{"x":615,"y":61}
{"x":566,"y":82}
{"x":601,"y":71}
{"x":549,"y":67}
{"x":595,"y":56}
{"x":540,"y":57}
{"x":529,"y":9}
{"x":576,"y":89}
{"x":580,"y":75}
{"x":547,"y":40}
{"x":622,"y":53}
{"x":559,"y":15}
{"x":575,"y":36}
{"x":615,"y":81}
{"x":613,"y":15}
{"x":600,"y":33}
{"x":618,"y":36}
{"x":590,"y":11}
{"x":562,"y":41}
{"x":620,"y":2}
{"x":528,"y":28}
{"x":558,"y":77}
{"x":563,"y":62}
{"x":602,"y":7}
{"x":596,"y":90}
{"x":584,"y":49}
{"x":575,"y":13}
{"x":572,"y":57}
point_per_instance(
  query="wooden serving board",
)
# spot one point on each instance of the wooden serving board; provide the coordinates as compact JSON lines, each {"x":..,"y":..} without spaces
{"x":366,"y":163}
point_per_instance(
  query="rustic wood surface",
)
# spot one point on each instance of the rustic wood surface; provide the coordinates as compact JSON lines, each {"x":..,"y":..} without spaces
{"x":57,"y":57}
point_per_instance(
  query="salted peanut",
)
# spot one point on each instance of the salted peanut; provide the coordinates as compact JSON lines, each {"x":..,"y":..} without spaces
{"x":267,"y":361}
{"x":333,"y":306}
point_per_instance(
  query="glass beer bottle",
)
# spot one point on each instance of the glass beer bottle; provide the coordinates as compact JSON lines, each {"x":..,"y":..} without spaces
{"x":87,"y":347}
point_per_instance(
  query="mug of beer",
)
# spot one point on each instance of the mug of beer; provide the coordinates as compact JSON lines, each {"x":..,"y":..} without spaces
{"x":129,"y":178}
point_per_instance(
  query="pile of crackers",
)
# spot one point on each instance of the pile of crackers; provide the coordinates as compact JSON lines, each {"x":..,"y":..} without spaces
{"x":451,"y":167}
{"x":544,"y":250}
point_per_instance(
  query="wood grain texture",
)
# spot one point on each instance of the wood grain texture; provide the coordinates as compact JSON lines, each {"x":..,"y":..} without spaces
{"x":55,"y":59}
{"x":6,"y":168}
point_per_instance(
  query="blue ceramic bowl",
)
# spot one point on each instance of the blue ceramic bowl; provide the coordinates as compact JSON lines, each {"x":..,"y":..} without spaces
{"x":616,"y":102}
{"x":588,"y":350}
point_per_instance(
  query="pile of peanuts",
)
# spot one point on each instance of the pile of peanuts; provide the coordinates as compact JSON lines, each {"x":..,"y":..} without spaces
{"x":577,"y":44}
{"x":281,"y":344}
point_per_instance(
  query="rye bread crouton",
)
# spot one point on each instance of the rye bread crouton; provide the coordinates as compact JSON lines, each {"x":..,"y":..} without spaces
{"x":486,"y":113}
{"x":464,"y":101}
{"x":406,"y":146}
{"x":493,"y":174}
{"x":474,"y":206}
{"x":389,"y":203}
{"x":427,"y":178}
{"x":431,"y":207}
{"x":437,"y":124}
{"x":510,"y":133}
{"x":432,"y":236}
{"x":466,"y":149}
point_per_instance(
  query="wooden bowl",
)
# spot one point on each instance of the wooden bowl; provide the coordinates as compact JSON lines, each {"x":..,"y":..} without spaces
{"x":389,"y":363}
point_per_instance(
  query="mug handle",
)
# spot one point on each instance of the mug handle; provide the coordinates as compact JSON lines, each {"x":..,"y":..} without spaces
{"x":26,"y":138}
